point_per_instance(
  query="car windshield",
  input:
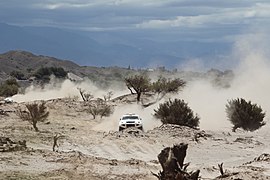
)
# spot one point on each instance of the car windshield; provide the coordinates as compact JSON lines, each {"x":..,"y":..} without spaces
{"x":130,"y":117}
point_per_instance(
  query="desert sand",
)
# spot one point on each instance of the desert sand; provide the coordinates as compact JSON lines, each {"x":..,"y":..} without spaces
{"x":91,"y":150}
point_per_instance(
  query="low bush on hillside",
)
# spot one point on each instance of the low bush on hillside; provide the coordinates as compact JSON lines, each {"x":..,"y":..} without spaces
{"x":176,"y":112}
{"x":44,"y":73}
{"x":18,"y":75}
{"x":9,"y":88}
{"x":245,"y":115}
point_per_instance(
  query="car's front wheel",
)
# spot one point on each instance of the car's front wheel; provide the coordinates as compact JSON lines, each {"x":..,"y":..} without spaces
{"x":121,"y":129}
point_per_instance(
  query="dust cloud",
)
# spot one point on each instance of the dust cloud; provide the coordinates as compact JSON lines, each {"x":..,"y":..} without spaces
{"x":50,"y":91}
{"x":251,"y":82}
{"x":65,"y":89}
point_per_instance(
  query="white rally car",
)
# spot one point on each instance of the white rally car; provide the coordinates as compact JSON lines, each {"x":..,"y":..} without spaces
{"x":130,"y":120}
{"x":8,"y":100}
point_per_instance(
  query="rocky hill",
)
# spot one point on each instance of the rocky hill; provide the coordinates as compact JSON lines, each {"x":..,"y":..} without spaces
{"x":27,"y":63}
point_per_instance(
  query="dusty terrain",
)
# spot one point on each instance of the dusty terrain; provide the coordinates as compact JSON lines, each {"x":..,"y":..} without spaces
{"x":88,"y":152}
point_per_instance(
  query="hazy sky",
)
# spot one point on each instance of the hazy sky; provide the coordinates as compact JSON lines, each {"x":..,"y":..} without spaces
{"x":152,"y":15}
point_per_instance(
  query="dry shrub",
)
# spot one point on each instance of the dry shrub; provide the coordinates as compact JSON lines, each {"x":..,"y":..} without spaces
{"x":35,"y":113}
{"x":100,"y":108}
{"x":86,"y":96}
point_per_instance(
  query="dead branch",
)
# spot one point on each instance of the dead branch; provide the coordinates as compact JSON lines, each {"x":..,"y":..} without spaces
{"x":220,"y":166}
{"x":81,"y":93}
{"x":85,"y":96}
{"x":55,"y":139}
{"x":148,"y":104}
{"x":108,"y":96}
{"x":157,"y":175}
{"x":145,"y":105}
{"x":185,"y":166}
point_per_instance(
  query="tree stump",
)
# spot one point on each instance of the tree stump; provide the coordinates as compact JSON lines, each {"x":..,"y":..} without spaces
{"x":172,"y":163}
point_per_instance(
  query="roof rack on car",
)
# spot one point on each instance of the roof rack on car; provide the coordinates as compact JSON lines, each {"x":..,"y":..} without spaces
{"x":130,"y":114}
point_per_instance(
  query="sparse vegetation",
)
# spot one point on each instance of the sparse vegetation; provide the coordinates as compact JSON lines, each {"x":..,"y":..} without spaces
{"x":100,"y":108}
{"x":86,"y":96}
{"x":142,"y":84}
{"x":176,"y":112}
{"x":35,"y":113}
{"x":245,"y":115}
{"x":9,"y":88}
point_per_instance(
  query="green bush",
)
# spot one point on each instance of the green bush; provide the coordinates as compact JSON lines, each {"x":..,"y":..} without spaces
{"x":245,"y":115}
{"x":58,"y":72}
{"x":44,"y":73}
{"x":18,"y":75}
{"x":176,"y":112}
{"x":9,"y":88}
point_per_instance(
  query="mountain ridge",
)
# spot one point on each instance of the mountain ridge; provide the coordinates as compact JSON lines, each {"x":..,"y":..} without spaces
{"x":108,"y":48}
